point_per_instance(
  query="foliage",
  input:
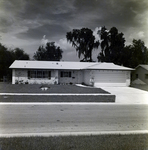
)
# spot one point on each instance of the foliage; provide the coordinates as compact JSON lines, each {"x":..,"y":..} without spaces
{"x":19,"y":54}
{"x":5,"y":60}
{"x":113,"y":49}
{"x":135,"y":54}
{"x":112,"y":44}
{"x":7,"y":57}
{"x":49,"y":53}
{"x":83,"y":41}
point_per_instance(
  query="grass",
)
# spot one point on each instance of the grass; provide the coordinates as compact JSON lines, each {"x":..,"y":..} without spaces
{"x":141,"y":87}
{"x":93,"y":142}
{"x":35,"y":88}
{"x":41,"y":98}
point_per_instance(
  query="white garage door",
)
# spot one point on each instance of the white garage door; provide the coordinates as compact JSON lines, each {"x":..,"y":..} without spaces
{"x":110,"y":78}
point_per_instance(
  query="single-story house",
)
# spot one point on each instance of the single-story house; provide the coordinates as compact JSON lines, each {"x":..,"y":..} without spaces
{"x":61,"y":72}
{"x":140,"y":74}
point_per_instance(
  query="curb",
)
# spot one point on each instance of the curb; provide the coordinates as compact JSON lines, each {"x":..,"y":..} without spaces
{"x":135,"y":132}
{"x":54,"y":94}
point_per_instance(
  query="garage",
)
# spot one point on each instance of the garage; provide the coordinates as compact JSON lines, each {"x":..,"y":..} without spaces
{"x":108,"y":74}
{"x":107,"y":77}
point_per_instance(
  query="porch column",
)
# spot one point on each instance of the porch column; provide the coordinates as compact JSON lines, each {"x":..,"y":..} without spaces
{"x":13,"y":76}
{"x":128,"y":80}
{"x":57,"y":76}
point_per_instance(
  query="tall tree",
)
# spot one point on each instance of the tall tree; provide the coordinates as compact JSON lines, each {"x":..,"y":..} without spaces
{"x":49,"y":53}
{"x":104,"y":36}
{"x":112,"y":44}
{"x":83,"y":41}
{"x":135,"y":54}
{"x":19,"y":54}
{"x":7,"y":57}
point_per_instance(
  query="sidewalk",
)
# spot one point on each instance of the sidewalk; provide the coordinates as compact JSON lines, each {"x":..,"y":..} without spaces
{"x":128,"y":95}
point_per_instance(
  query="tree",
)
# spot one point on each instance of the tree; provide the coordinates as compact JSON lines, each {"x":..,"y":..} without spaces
{"x":135,"y":54}
{"x":5,"y":61}
{"x":7,"y":57}
{"x":112,"y":44}
{"x":19,"y":54}
{"x":49,"y":53}
{"x":83,"y":41}
{"x":104,"y":36}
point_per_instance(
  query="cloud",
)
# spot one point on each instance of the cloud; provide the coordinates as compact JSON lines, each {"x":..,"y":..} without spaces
{"x":95,"y":33}
{"x":44,"y":41}
{"x":22,"y":21}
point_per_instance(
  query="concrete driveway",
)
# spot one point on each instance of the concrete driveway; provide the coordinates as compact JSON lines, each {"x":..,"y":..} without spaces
{"x":128,"y":95}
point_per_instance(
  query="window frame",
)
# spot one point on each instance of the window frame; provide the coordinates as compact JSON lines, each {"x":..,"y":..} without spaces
{"x":146,"y":76}
{"x":137,"y":76}
{"x":39,"y":74}
{"x":65,"y":74}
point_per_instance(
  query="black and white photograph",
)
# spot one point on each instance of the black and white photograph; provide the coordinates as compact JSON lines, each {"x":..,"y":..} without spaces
{"x":73,"y":75}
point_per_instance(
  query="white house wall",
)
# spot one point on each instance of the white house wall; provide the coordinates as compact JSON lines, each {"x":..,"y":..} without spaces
{"x":101,"y":77}
{"x":87,"y":76}
{"x":128,"y":78}
{"x":21,"y":76}
{"x":76,"y":77}
{"x":80,"y":76}
{"x":107,"y":77}
{"x":52,"y":80}
{"x":13,"y":76}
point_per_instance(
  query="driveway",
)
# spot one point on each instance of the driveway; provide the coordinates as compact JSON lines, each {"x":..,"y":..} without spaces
{"x":128,"y":95}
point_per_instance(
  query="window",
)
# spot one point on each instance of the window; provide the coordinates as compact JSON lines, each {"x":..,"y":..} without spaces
{"x":39,"y":74}
{"x":136,"y":76}
{"x":146,"y":76}
{"x":66,"y":74}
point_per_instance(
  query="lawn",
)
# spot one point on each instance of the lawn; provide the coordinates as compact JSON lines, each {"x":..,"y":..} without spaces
{"x":59,"y":89}
{"x":35,"y":88}
{"x":93,"y":142}
{"x":141,"y":87}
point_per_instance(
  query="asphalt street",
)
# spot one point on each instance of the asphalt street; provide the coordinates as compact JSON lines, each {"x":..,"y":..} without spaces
{"x":56,"y":118}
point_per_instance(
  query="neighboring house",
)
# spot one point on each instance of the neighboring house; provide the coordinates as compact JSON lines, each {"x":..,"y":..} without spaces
{"x":60,"y":72}
{"x":140,"y":74}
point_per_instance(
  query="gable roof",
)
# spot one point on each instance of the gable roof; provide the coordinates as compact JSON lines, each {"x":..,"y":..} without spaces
{"x":143,"y":66}
{"x":108,"y":66}
{"x":50,"y":65}
{"x":25,"y":64}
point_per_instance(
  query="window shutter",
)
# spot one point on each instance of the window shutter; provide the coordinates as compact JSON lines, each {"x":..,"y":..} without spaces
{"x":61,"y":73}
{"x":49,"y":74}
{"x":69,"y":74}
{"x":28,"y":74}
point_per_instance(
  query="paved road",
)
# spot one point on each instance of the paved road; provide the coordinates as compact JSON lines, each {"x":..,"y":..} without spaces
{"x":36,"y":118}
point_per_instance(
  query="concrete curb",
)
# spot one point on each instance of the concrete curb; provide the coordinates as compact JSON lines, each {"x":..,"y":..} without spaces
{"x":75,"y":133}
{"x":65,"y":103}
{"x":54,"y":94}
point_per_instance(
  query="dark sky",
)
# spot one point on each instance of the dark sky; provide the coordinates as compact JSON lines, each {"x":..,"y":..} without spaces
{"x":29,"y":23}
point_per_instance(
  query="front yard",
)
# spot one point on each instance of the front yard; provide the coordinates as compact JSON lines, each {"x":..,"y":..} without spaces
{"x":52,"y":89}
{"x":36,"y":88}
{"x":98,"y":142}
